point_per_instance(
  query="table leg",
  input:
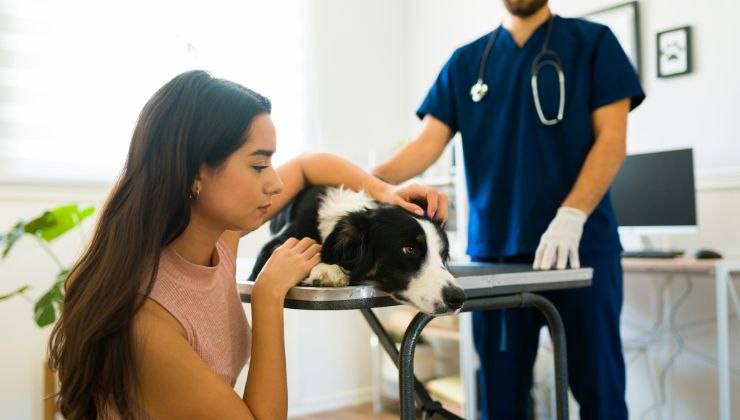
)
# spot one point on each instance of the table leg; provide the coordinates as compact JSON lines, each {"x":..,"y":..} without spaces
{"x":560,"y":354}
{"x":414,"y":385}
{"x":406,"y":365}
{"x":723,"y":354}
{"x":557,"y":332}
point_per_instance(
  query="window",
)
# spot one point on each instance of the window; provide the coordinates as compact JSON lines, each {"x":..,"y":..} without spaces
{"x":74,"y":75}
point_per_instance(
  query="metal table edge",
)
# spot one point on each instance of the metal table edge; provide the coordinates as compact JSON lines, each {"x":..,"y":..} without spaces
{"x":366,"y":296}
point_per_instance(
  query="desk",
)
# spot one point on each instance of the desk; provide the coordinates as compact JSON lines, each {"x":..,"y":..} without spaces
{"x":487,"y":286}
{"x":722,"y":271}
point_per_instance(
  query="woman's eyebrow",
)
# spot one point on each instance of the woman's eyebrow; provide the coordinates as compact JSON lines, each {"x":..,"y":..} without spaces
{"x":262,"y":152}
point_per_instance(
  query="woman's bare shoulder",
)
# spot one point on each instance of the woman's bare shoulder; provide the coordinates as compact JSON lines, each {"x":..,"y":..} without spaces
{"x":174,"y":382}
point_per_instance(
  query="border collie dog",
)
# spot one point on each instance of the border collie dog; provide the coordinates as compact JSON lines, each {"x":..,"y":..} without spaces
{"x":364,"y":242}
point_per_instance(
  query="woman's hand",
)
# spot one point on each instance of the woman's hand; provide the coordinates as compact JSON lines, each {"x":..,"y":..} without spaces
{"x":289,"y":264}
{"x":405,"y":196}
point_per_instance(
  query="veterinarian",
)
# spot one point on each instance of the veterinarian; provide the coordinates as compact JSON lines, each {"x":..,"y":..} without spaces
{"x":538,"y":175}
{"x":152,"y":325}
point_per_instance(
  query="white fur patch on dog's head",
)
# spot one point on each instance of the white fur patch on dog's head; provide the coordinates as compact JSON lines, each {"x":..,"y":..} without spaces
{"x":338,"y":202}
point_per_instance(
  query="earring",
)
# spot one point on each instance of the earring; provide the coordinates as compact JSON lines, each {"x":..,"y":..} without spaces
{"x":194,"y":193}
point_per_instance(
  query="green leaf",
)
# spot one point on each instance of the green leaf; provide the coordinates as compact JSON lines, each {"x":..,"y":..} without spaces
{"x":10,"y":238}
{"x":43,"y":312}
{"x":56,"y":222}
{"x":18,"y":291}
{"x":46,"y":308}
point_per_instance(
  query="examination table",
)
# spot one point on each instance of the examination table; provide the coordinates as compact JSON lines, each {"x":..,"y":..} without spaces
{"x":487,"y":286}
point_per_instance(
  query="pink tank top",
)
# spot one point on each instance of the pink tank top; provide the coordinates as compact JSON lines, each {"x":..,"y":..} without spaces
{"x":206,"y":303}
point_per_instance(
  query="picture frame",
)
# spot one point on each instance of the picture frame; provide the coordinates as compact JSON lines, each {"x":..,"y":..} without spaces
{"x":673,"y":52}
{"x":624,"y":21}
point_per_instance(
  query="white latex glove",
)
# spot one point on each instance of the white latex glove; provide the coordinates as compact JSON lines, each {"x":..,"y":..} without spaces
{"x":560,"y":241}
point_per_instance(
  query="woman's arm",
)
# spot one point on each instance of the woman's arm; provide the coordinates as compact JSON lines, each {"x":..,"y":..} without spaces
{"x":267,"y":380}
{"x":266,"y":391}
{"x":327,"y":169}
{"x":173,"y":380}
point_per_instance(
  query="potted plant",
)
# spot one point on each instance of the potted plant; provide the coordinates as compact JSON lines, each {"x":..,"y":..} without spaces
{"x":45,"y":229}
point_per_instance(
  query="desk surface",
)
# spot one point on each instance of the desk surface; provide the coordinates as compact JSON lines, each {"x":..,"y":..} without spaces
{"x":478,"y":280}
{"x":677,"y":265}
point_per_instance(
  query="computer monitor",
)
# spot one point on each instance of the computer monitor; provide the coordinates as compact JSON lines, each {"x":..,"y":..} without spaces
{"x":653,"y":193}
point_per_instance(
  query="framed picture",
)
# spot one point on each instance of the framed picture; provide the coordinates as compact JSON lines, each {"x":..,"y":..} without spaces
{"x":674,"y":52}
{"x":624,"y":20}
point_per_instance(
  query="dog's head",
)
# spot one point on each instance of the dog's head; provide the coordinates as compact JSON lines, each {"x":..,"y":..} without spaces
{"x":402,"y":255}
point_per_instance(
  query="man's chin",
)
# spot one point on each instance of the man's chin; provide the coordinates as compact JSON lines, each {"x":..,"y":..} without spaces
{"x":524,"y":9}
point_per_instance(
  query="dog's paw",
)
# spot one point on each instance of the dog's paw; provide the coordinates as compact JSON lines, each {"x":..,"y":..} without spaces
{"x":327,"y":275}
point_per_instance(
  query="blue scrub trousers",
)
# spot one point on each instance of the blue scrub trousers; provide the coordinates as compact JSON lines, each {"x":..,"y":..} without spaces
{"x":507,"y":341}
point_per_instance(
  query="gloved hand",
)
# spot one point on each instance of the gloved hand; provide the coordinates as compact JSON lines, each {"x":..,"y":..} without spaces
{"x":560,"y":241}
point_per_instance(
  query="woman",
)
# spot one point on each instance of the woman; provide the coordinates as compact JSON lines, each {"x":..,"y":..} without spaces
{"x":152,"y":325}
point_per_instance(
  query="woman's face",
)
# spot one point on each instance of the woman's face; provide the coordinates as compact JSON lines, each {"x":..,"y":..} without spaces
{"x":236,"y":195}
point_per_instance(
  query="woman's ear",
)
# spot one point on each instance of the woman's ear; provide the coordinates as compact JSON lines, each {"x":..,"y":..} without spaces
{"x":203,"y":173}
{"x":197,"y":185}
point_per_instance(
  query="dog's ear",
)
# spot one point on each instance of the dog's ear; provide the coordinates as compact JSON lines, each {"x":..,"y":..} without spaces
{"x":347,"y":245}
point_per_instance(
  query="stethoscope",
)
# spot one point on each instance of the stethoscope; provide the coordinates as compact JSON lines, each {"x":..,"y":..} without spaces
{"x":546,"y":57}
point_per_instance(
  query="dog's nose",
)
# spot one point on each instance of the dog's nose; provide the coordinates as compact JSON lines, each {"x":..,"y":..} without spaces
{"x":453,"y":297}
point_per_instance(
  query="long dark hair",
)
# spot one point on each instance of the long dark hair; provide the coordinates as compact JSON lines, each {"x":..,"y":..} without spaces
{"x":194,"y":119}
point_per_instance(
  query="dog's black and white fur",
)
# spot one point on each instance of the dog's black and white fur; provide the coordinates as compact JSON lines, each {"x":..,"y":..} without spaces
{"x":364,"y":242}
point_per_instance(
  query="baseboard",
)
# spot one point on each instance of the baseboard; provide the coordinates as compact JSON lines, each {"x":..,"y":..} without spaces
{"x":331,"y":402}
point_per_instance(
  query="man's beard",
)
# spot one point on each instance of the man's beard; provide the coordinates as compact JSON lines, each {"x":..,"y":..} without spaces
{"x":524,"y":8}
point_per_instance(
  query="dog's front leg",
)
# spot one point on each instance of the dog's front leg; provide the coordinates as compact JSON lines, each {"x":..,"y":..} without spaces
{"x":327,"y":275}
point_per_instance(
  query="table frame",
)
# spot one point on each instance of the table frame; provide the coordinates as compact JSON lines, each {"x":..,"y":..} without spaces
{"x":487,"y":287}
{"x":722,"y":271}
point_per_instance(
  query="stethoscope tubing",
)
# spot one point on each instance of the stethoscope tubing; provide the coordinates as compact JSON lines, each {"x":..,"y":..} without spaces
{"x":546,"y":57}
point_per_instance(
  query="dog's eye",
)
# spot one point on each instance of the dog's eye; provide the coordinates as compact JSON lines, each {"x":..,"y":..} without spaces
{"x":409,"y":251}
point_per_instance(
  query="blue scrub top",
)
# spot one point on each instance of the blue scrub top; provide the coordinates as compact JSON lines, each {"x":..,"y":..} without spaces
{"x":519,"y":171}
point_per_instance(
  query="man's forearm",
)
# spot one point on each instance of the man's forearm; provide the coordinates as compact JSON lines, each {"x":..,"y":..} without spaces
{"x":598,"y":172}
{"x":416,"y":156}
{"x":413,"y":159}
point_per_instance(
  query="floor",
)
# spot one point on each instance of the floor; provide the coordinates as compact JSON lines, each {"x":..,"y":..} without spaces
{"x":360,"y":412}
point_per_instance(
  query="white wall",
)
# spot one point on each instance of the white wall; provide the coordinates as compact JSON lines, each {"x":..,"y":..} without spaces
{"x":359,"y":77}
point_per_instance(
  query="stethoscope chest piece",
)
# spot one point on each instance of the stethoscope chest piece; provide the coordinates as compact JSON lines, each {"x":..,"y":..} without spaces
{"x":478,"y":90}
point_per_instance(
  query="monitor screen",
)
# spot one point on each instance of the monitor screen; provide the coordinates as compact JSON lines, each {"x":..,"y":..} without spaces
{"x":656,"y":189}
